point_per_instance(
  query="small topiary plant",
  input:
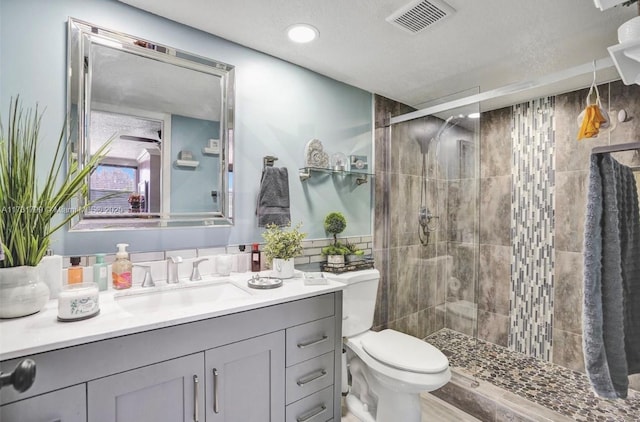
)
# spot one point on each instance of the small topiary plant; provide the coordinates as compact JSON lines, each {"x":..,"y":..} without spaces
{"x":335,"y":223}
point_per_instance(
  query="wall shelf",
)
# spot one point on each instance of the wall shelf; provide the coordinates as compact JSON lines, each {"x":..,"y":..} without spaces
{"x":308,"y":172}
{"x":211,"y":151}
{"x":187,"y":163}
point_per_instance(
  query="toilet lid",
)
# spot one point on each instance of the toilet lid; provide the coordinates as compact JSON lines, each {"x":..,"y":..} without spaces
{"x":404,"y":352}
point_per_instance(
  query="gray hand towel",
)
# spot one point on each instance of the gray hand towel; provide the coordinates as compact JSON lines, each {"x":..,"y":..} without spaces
{"x":273,"y":199}
{"x":611,"y":277}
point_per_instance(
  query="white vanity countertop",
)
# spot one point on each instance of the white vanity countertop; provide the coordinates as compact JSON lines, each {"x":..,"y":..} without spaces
{"x":43,"y":332}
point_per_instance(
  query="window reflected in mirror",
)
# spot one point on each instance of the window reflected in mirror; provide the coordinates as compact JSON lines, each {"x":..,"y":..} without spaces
{"x":169,"y":117}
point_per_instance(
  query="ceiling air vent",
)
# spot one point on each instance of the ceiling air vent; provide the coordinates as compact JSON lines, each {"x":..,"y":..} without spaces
{"x":419,"y":15}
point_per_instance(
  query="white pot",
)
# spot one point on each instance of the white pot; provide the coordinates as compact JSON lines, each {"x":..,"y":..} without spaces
{"x":630,"y":30}
{"x":335,"y":260}
{"x":282,"y":268}
{"x":21,"y":292}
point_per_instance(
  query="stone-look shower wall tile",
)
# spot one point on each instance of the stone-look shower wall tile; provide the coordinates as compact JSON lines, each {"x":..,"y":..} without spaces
{"x":495,"y":210}
{"x":571,"y":203}
{"x":495,"y":279}
{"x":462,"y":203}
{"x":404,"y":203}
{"x":568,"y":292}
{"x":407,"y":280}
{"x":495,"y":146}
{"x":408,"y":324}
{"x":429,"y":321}
{"x":493,"y":328}
{"x":428,"y":277}
{"x":463,"y":272}
{"x":567,"y":350}
{"x":572,"y":154}
{"x":381,"y":316}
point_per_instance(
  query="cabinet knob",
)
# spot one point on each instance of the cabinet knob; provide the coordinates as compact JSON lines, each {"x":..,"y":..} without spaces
{"x":22,"y":377}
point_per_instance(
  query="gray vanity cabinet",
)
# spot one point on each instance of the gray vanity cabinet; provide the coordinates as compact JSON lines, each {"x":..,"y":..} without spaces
{"x":245,"y":380}
{"x":66,"y":405}
{"x":169,"y":391}
{"x":271,"y":364}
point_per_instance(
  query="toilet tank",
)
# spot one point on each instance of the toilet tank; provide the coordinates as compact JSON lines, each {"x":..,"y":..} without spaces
{"x":358,"y":299}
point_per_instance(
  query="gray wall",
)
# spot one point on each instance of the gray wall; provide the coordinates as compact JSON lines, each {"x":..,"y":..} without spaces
{"x":279,"y":108}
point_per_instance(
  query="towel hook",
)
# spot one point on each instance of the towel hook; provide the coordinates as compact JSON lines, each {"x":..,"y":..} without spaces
{"x":267,"y":161}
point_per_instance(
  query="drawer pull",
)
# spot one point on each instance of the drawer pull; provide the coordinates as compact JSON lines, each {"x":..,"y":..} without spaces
{"x":306,"y":380}
{"x":313,"y":342}
{"x":312,"y":413}
{"x":195,"y":398}
{"x":216,"y":408}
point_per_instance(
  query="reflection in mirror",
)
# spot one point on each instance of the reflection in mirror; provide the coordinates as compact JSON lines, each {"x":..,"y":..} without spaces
{"x":169,"y":116}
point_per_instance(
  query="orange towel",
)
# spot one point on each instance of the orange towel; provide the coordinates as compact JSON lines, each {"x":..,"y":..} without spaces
{"x":591,"y":123}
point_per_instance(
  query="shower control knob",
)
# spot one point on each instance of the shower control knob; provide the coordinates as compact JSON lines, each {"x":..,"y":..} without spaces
{"x":22,"y":377}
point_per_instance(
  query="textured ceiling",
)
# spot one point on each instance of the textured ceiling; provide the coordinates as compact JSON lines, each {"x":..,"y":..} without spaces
{"x":484,"y":45}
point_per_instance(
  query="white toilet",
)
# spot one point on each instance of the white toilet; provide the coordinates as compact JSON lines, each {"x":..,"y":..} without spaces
{"x":388,"y":369}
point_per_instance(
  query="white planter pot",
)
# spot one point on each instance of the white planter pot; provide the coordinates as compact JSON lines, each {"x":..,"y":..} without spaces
{"x":335,"y":260}
{"x":630,"y":30}
{"x":282,"y":268}
{"x":21,"y":292}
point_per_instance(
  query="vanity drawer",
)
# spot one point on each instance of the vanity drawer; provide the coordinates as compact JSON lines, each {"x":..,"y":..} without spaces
{"x":309,"y":376}
{"x":309,"y":340}
{"x":317,"y":407}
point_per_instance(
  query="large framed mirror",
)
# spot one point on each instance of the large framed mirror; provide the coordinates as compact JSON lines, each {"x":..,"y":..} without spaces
{"x":168,"y":115}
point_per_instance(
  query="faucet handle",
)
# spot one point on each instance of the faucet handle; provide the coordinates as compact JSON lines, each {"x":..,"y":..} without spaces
{"x":148,"y":279}
{"x":195,"y":272}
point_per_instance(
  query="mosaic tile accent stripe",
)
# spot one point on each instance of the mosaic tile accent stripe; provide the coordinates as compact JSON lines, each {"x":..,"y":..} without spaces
{"x":532,"y":228}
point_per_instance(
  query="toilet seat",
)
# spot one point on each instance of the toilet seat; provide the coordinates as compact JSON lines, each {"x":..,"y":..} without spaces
{"x":404,"y":352}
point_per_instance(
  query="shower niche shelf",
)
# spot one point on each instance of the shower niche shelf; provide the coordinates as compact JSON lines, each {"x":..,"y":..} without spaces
{"x":309,"y":172}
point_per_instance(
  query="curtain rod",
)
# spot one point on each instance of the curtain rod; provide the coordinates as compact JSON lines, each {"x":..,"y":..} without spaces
{"x":616,"y":148}
{"x":600,"y":64}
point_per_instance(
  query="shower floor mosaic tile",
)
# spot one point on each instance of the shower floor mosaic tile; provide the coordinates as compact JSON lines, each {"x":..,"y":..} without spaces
{"x":554,"y":387}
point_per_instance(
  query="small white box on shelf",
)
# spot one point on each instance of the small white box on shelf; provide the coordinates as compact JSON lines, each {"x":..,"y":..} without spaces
{"x":212,"y":148}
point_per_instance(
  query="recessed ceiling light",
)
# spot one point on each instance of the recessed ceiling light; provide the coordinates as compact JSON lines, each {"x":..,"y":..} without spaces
{"x":474,"y":116}
{"x":302,"y":33}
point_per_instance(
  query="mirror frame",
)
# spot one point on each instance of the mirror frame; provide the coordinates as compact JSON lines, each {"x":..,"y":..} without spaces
{"x":80,"y":35}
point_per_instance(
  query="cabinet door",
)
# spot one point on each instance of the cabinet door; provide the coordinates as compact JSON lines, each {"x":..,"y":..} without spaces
{"x":245,"y":380}
{"x":66,"y":405}
{"x":170,"y":391}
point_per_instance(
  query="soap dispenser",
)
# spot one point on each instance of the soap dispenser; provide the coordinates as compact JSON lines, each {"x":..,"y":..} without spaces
{"x":121,"y":268}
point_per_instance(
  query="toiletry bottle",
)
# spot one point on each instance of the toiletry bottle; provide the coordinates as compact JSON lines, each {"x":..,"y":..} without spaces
{"x":100,"y":272}
{"x":255,"y":258}
{"x":121,"y":268}
{"x":75,"y":271}
{"x":244,"y":259}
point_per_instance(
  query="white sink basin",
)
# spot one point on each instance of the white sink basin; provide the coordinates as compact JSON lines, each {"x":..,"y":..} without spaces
{"x":171,"y":297}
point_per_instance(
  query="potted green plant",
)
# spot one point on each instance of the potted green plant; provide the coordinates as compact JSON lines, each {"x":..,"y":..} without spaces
{"x":282,"y":245}
{"x":334,"y":224}
{"x":32,"y":209}
{"x":355,"y":254}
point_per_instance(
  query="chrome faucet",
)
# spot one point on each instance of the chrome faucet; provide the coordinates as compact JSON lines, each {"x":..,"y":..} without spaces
{"x":148,"y":279}
{"x":172,"y":269}
{"x":195,"y":272}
